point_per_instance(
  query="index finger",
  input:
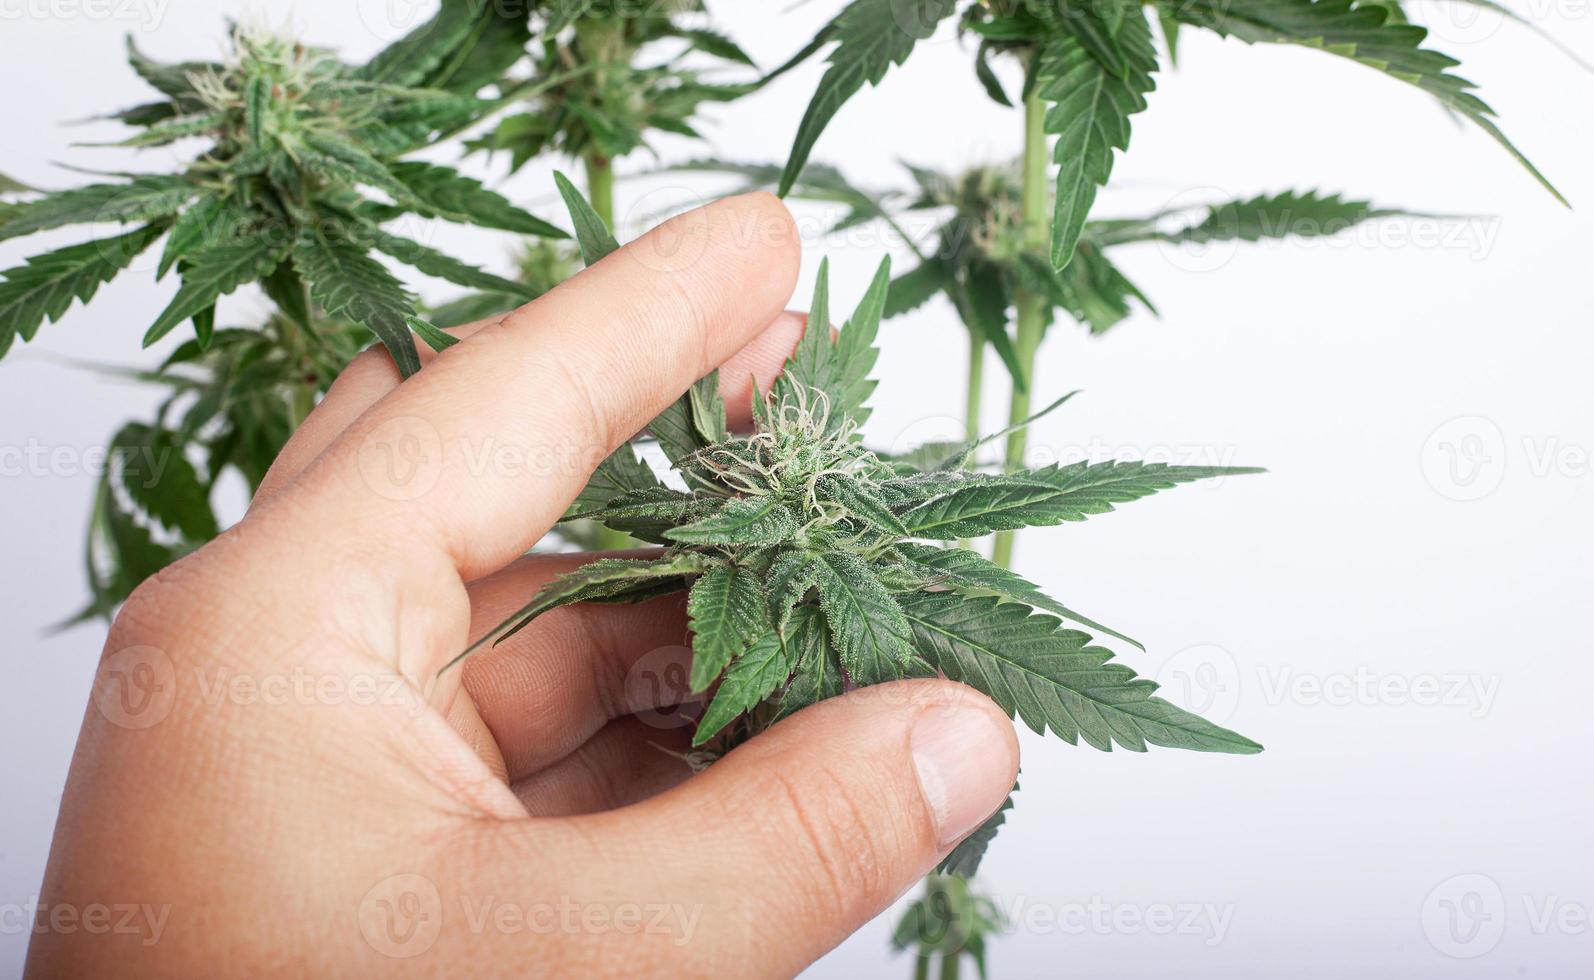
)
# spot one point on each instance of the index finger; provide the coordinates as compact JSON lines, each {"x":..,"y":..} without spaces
{"x":477,"y":455}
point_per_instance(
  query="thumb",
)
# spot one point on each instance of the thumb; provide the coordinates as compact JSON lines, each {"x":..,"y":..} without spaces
{"x":793,"y":841}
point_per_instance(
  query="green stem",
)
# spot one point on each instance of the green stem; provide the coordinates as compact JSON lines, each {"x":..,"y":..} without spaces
{"x":1031,"y":307}
{"x":600,"y":186}
{"x":302,"y":402}
{"x":600,"y":189}
{"x":971,"y":407}
{"x":951,"y":965}
{"x":921,"y":966}
{"x":975,"y":396}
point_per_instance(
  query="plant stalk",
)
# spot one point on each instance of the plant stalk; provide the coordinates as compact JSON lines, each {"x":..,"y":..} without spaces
{"x":971,"y":407}
{"x":951,"y":965}
{"x":600,"y":186}
{"x":975,"y":396}
{"x":302,"y":403}
{"x":1031,"y":307}
{"x":600,"y":190}
{"x":921,"y":966}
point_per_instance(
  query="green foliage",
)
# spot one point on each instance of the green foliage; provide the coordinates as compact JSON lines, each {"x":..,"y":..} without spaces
{"x":871,"y":37}
{"x":1052,"y":678}
{"x":605,"y":83}
{"x":948,"y":921}
{"x":295,"y":141}
{"x":1362,"y":32}
{"x":794,"y":546}
{"x":1089,"y":108}
{"x":44,"y":287}
{"x":229,"y":409}
{"x":1092,"y":66}
{"x":978,"y":259}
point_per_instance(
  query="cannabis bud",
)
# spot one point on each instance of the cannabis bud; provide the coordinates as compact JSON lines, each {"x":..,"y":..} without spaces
{"x":813,"y":565}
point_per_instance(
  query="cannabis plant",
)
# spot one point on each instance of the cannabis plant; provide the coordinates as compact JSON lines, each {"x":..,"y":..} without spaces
{"x":1088,"y":69}
{"x":605,"y":82}
{"x":977,"y":256}
{"x":229,"y":408}
{"x":948,"y":921}
{"x":813,"y":565}
{"x":298,"y":184}
{"x":281,"y":194}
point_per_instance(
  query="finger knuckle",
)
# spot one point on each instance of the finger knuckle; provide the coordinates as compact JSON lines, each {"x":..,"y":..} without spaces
{"x":838,"y":859}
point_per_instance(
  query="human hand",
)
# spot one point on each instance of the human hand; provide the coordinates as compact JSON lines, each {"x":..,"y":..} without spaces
{"x":273,"y":775}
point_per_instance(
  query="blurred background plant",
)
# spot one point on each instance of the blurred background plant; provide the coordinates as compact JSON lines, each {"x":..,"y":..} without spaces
{"x":1017,"y":244}
{"x":303,"y":176}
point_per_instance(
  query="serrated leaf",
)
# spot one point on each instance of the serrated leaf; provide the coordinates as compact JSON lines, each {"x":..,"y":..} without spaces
{"x":928,"y":458}
{"x":756,"y":674}
{"x":344,"y":161}
{"x":348,"y":282}
{"x":11,"y":185}
{"x":1289,"y":214}
{"x":1051,"y":678}
{"x":967,"y":571}
{"x":741,"y":521}
{"x":815,"y":661}
{"x":620,"y":472}
{"x":214,"y":272}
{"x":161,"y":480}
{"x":1362,"y":32}
{"x":868,"y":627}
{"x":983,"y":300}
{"x":172,"y":80}
{"x":836,"y":368}
{"x":435,"y":338}
{"x":871,"y":36}
{"x":1089,"y":109}
{"x":435,"y":263}
{"x":791,"y":575}
{"x":137,"y":200}
{"x":594,"y":580}
{"x":915,"y":287}
{"x":861,"y":502}
{"x":412,"y":59}
{"x":1039,"y":498}
{"x":44,"y":287}
{"x":647,"y":514}
{"x":205,"y":221}
{"x":726,"y":612}
{"x":708,"y":409}
{"x":592,"y":235}
{"x":987,"y":76}
{"x":686,"y":425}
{"x":714,"y":43}
{"x":450,"y":194}
{"x":284,"y":288}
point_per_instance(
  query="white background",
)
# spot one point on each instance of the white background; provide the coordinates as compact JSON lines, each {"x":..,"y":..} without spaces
{"x":1340,"y":365}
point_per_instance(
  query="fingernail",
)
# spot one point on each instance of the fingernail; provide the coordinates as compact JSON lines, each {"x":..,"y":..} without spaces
{"x":965,"y":766}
